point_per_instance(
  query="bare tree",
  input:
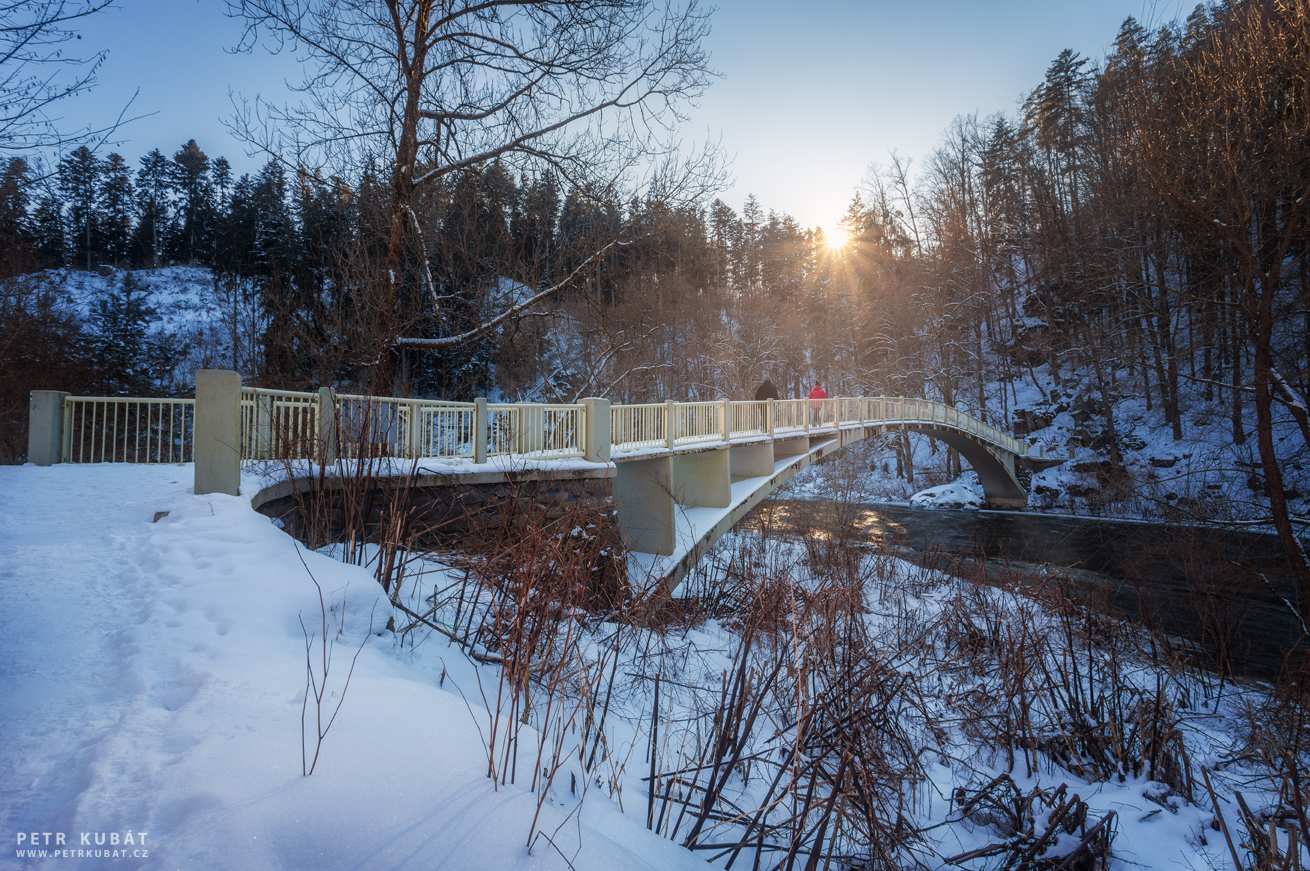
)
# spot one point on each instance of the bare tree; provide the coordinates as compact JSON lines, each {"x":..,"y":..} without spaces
{"x":36,"y":71}
{"x":1233,"y":160}
{"x":431,"y":88}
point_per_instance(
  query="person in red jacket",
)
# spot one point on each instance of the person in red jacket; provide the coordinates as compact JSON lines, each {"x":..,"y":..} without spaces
{"x":816,"y":407}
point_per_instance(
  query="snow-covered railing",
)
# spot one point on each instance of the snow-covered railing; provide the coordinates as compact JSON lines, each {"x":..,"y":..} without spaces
{"x":536,"y":430}
{"x":645,"y":427}
{"x":278,"y":424}
{"x":790,"y":415}
{"x":281,"y":424}
{"x":698,"y":422}
{"x":111,"y":429}
{"x":748,"y":418}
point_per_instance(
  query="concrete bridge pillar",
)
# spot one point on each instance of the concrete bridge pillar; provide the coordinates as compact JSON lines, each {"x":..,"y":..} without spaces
{"x":45,"y":427}
{"x":218,"y":432}
{"x":703,"y":479}
{"x":751,"y":461}
{"x":329,"y":432}
{"x":596,"y":438}
{"x":643,"y":499}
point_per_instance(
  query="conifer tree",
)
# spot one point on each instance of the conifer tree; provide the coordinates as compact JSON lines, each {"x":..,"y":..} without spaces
{"x":15,"y":234}
{"x":115,"y":212}
{"x":47,"y":227}
{"x":189,"y":180}
{"x":120,"y":348}
{"x":152,"y":208}
{"x":79,"y":183}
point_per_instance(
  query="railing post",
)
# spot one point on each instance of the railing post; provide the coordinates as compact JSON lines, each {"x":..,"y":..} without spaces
{"x":218,"y":432}
{"x":596,"y":431}
{"x":670,"y":424}
{"x":727,"y":421}
{"x":45,"y":427}
{"x":531,"y":427}
{"x":414,"y":430}
{"x":769,"y":417}
{"x":328,"y":439}
{"x":262,"y":443}
{"x":479,"y":435}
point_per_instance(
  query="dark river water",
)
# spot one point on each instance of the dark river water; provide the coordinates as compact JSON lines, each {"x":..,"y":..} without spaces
{"x":1200,"y":586}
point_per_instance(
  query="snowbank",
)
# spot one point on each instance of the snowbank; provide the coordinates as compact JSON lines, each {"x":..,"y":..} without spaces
{"x":957,"y":494}
{"x":151,"y":681}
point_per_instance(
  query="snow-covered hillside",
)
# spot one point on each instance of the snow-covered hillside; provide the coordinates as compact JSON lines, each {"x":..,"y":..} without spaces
{"x":192,"y":320}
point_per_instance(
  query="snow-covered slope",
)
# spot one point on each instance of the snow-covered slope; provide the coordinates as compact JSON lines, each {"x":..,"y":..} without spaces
{"x":151,"y":681}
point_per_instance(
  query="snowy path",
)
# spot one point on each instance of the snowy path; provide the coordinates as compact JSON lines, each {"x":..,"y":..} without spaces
{"x":151,"y":678}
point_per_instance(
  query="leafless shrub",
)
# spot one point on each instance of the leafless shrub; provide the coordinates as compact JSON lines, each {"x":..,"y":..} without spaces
{"x":1030,"y":825}
{"x":1055,"y":680}
{"x":316,"y":683}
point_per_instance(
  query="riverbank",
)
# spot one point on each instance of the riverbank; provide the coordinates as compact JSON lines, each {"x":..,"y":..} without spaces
{"x":1228,"y":596}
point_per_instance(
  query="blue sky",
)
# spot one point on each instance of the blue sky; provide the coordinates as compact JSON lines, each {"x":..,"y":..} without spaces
{"x":812,"y":94}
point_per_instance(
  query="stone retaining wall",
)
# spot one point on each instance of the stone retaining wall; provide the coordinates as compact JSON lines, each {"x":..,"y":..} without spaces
{"x":450,"y":514}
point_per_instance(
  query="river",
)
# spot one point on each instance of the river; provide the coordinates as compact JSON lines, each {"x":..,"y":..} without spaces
{"x":1203,"y":587}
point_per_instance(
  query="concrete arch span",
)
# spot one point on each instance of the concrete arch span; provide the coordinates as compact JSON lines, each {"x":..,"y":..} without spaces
{"x":673,"y":507}
{"x":1001,"y":487}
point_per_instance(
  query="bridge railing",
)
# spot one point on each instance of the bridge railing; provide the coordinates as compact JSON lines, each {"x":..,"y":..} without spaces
{"x":280,"y":424}
{"x":747,"y":419}
{"x":638,"y":427}
{"x":113,"y":429}
{"x":790,"y":415}
{"x":537,"y":430}
{"x":698,"y":422}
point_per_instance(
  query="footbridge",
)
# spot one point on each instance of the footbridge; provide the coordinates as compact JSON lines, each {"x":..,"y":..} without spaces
{"x":681,"y":473}
{"x":686,"y":473}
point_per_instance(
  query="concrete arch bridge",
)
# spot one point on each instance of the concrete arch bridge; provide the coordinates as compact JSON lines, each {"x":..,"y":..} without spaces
{"x":681,"y":474}
{"x":686,"y":473}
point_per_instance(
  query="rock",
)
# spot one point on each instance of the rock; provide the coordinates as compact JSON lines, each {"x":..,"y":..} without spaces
{"x":955,"y":495}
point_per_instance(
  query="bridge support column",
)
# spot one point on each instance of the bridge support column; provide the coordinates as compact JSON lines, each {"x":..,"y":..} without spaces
{"x":45,"y":427}
{"x":218,"y":432}
{"x":703,"y":479}
{"x":791,"y":447}
{"x":751,"y":461}
{"x":643,"y":498}
{"x":1007,"y":460}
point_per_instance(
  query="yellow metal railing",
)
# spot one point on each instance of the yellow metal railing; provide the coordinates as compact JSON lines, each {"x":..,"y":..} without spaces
{"x":279,"y":424}
{"x":536,"y":430}
{"x":107,"y":429}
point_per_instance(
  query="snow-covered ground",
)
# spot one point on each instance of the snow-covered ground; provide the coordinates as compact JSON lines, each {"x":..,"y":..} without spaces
{"x":153,"y":676}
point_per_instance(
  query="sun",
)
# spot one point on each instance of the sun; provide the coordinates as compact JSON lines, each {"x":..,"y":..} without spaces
{"x":836,"y":238}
